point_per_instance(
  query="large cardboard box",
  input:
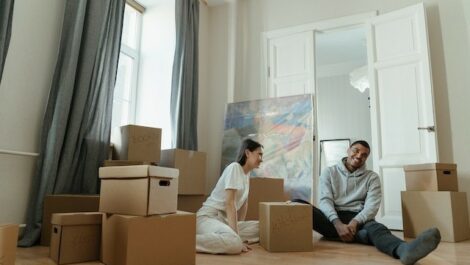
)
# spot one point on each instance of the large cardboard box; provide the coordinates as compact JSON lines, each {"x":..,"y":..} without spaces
{"x":263,"y":190}
{"x":285,"y":226}
{"x":138,"y":190}
{"x":445,"y":210}
{"x":154,"y":240}
{"x":192,"y":166}
{"x":139,"y":143}
{"x":64,"y":203}
{"x":76,"y":237}
{"x":190,"y":203}
{"x":431,"y":177}
{"x":8,"y":241}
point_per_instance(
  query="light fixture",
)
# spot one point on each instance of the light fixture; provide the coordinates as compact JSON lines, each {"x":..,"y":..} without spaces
{"x":359,"y":78}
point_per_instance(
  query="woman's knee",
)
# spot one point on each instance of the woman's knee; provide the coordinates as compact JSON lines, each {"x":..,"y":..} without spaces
{"x":232,"y":243}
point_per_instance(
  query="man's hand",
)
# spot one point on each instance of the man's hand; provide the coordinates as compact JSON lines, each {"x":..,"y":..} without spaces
{"x":352,"y":226}
{"x":343,"y":231}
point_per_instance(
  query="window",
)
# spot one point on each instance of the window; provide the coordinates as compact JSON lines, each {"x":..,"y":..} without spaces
{"x":124,"y":101}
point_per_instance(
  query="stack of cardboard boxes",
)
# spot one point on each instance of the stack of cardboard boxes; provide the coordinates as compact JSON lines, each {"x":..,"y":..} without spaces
{"x":138,"y":221}
{"x":432,"y":199}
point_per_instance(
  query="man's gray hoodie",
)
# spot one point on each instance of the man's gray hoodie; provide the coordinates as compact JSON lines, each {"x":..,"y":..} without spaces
{"x":341,"y":190}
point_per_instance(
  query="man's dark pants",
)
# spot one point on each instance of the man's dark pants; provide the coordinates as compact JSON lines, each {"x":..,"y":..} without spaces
{"x":370,"y":233}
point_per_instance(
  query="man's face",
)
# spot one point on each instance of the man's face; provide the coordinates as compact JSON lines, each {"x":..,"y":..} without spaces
{"x":357,"y":156}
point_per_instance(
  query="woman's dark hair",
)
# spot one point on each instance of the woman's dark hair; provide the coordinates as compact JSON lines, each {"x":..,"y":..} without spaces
{"x":249,"y":144}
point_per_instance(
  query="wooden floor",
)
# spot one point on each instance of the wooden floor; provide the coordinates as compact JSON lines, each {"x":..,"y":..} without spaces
{"x":325,"y":253}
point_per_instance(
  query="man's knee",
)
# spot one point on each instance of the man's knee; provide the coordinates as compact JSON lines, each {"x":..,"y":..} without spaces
{"x":375,"y":227}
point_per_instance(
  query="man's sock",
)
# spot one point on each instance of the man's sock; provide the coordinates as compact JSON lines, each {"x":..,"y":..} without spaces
{"x":417,"y":249}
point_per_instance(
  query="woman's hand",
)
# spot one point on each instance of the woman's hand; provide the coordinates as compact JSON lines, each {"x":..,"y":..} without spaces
{"x":246,"y":248}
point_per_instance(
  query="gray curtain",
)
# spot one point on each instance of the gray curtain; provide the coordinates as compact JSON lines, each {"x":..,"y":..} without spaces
{"x":77,"y":123}
{"x":184,"y":86}
{"x":6,"y":15}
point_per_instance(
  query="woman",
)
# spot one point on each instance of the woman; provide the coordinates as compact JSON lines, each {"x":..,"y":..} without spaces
{"x":221,"y":228}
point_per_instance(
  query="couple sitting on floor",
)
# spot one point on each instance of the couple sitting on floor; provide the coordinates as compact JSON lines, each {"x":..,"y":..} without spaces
{"x":350,"y":198}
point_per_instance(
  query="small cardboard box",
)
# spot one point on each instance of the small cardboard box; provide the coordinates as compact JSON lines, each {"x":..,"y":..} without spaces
{"x":190,"y":203}
{"x":153,"y":240}
{"x":8,"y":242}
{"x":263,"y":190}
{"x":445,"y":210}
{"x":285,"y":226}
{"x":64,"y":203}
{"x":431,"y":177}
{"x":76,"y":237}
{"x":138,"y":190}
{"x":139,"y":143}
{"x":192,"y":166}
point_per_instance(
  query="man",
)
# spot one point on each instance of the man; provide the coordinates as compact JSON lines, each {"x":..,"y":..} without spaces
{"x":350,"y":198}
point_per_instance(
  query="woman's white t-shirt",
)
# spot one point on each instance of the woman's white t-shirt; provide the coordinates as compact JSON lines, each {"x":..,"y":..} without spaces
{"x":233,"y":177}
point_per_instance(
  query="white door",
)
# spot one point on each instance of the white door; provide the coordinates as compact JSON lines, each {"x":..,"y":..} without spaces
{"x":291,"y":65}
{"x":402,"y":110}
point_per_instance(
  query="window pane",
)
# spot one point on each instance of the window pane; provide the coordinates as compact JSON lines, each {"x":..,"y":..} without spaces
{"x":129,"y":31}
{"x":123,"y":87}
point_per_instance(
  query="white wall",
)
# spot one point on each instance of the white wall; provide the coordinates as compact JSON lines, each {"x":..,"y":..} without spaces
{"x":449,"y":46}
{"x":27,"y":79}
{"x":213,"y":92}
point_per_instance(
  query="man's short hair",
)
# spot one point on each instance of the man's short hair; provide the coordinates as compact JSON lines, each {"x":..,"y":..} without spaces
{"x":361,"y":142}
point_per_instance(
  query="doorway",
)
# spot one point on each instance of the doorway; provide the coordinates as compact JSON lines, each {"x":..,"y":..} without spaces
{"x":342,"y":93}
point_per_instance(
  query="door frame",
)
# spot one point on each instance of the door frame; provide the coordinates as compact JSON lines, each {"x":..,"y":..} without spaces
{"x":329,"y":25}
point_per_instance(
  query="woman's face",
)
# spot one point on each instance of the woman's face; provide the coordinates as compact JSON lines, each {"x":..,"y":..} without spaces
{"x":254,"y":158}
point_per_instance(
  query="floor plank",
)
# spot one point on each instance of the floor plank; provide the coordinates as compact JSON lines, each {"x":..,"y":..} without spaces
{"x":325,"y":253}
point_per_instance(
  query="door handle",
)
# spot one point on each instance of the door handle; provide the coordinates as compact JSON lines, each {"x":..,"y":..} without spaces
{"x":429,"y":128}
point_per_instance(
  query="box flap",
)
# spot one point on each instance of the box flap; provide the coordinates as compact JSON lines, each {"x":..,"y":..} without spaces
{"x":163,"y":172}
{"x":430,"y":166}
{"x":139,"y":171}
{"x":82,"y":218}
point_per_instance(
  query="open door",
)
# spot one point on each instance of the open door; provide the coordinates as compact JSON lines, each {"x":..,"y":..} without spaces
{"x":402,"y":109}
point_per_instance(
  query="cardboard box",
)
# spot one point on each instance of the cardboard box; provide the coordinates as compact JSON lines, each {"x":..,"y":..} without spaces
{"x":139,"y":143}
{"x":119,"y":163}
{"x":64,"y":203}
{"x":190,"y":203}
{"x":285,"y":226}
{"x":445,"y":210}
{"x":76,"y":237}
{"x":263,"y":190}
{"x":8,"y":242}
{"x":192,"y":166}
{"x":138,"y":190}
{"x":154,"y":240}
{"x":431,"y":177}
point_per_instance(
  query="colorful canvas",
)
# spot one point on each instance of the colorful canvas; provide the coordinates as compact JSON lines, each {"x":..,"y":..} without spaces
{"x":284,"y":126}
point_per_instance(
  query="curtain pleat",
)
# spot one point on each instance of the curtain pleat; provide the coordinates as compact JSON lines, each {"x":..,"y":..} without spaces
{"x":6,"y":16}
{"x":184,"y":86}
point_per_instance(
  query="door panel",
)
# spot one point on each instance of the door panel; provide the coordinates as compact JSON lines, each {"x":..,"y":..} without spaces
{"x":401,"y":102}
{"x":290,"y":65}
